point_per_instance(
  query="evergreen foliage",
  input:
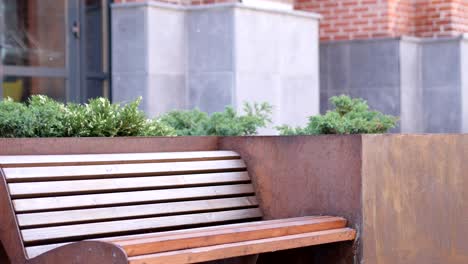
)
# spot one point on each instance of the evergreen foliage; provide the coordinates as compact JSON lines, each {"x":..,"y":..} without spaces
{"x":349,"y":116}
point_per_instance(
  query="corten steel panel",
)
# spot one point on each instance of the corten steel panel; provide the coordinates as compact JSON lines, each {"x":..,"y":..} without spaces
{"x":305,"y":175}
{"x":51,"y":146}
{"x":415,"y":199}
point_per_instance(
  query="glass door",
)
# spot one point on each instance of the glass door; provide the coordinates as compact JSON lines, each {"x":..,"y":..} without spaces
{"x":94,"y":49}
{"x":53,"y":47}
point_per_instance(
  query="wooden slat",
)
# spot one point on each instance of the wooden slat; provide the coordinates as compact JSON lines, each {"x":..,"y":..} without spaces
{"x":246,"y":248}
{"x":197,"y":230}
{"x":101,"y":171}
{"x":158,"y":243}
{"x":37,"y":250}
{"x":120,"y":198}
{"x":108,"y":213}
{"x":121,"y":158}
{"x":29,"y":189}
{"x":140,"y":225}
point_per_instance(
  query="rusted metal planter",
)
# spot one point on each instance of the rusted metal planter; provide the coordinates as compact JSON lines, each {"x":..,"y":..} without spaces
{"x":405,"y":194}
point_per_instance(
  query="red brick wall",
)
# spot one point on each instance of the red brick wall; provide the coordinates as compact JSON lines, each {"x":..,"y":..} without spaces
{"x":363,"y":19}
{"x":401,"y":17}
{"x":441,"y":18}
{"x":350,"y":19}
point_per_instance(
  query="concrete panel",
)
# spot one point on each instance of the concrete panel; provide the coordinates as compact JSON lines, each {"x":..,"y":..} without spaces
{"x":129,"y":86}
{"x":298,"y":46}
{"x":165,"y":93}
{"x":384,"y":99}
{"x":257,"y":41}
{"x":254,"y":87}
{"x":210,"y":92}
{"x":441,"y":64}
{"x":335,"y":66}
{"x":366,"y":69}
{"x":210,"y":39}
{"x":130,"y":39}
{"x":442,"y":110}
{"x":417,"y":79}
{"x":374,"y":64}
{"x":411,"y":119}
{"x":324,"y":103}
{"x":464,"y":83}
{"x":166,"y":41}
{"x":441,"y":81}
{"x":276,"y":61}
{"x":226,"y":53}
{"x":298,"y":100}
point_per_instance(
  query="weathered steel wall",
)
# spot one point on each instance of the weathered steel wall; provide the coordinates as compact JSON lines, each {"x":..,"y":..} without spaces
{"x":415,"y":199}
{"x":310,"y":175}
{"x":405,"y":194}
{"x":50,"y":146}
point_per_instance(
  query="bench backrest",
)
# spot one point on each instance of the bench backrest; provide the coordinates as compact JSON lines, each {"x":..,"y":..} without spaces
{"x":64,"y":198}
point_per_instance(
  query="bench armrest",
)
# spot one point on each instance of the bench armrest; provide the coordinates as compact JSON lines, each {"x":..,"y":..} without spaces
{"x":89,"y":252}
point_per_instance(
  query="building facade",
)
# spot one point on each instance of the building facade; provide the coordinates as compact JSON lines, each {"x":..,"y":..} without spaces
{"x":406,"y":57}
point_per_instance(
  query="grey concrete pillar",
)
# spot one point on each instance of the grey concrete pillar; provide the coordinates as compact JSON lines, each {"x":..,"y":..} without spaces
{"x":464,"y":82}
{"x":367,"y":69}
{"x":411,"y":120}
{"x":149,"y":55}
{"x":217,"y":55}
{"x":421,"y":80}
{"x":441,"y":81}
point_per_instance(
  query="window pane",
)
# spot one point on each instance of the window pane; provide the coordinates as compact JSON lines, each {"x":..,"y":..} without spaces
{"x":94,"y":41}
{"x":95,"y":88}
{"x":33,"y":32}
{"x":21,"y":88}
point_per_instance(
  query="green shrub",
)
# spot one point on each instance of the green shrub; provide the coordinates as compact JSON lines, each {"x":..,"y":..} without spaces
{"x":44,"y":117}
{"x":186,"y":123}
{"x":157,"y":128}
{"x":226,"y":123}
{"x":349,"y":116}
{"x":15,"y":119}
{"x":47,"y":115}
{"x":41,"y":116}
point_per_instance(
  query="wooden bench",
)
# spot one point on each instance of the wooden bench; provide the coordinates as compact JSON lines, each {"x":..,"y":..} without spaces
{"x":179,"y":207}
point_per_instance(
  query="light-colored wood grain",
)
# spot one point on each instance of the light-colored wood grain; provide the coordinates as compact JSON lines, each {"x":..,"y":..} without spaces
{"x":18,"y":190}
{"x":140,"y":225}
{"x":202,"y":254}
{"x":109,"y":213}
{"x":121,"y":158}
{"x":116,"y":170}
{"x":37,"y":250}
{"x":121,"y":198}
{"x":197,"y":230}
{"x":159,"y":243}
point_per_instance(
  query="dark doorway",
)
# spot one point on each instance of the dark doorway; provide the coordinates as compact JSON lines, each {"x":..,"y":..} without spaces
{"x":54,"y":47}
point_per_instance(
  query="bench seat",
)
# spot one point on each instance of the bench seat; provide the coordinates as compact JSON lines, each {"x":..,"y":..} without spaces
{"x":179,"y":207}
